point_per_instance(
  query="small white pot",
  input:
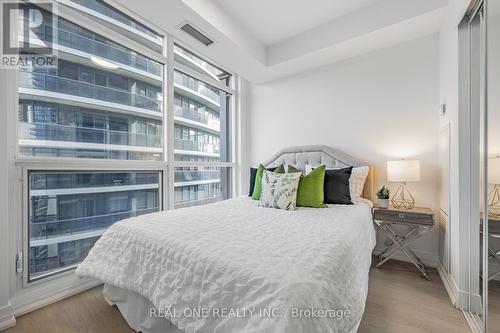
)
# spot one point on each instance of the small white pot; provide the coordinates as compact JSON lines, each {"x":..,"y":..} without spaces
{"x":383,"y":203}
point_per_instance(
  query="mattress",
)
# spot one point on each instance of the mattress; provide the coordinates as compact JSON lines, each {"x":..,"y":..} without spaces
{"x":235,"y":267}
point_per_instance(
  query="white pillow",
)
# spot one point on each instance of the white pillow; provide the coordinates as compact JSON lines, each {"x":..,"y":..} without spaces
{"x":279,"y":190}
{"x":356,"y":181}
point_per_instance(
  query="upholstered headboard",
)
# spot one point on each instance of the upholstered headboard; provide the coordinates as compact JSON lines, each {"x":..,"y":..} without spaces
{"x":318,"y":155}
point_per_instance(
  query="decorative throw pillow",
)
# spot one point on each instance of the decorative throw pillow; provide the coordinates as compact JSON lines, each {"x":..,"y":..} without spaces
{"x":253,"y":174}
{"x":357,"y":182}
{"x":279,"y":190}
{"x":257,"y":188}
{"x":311,"y":191}
{"x":337,"y":186}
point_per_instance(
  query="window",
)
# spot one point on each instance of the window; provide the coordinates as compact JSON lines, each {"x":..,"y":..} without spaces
{"x":116,"y":19}
{"x":200,"y":185}
{"x":201,"y":130}
{"x":68,"y":211}
{"x":104,"y":106}
{"x":184,"y":57}
{"x":83,"y":94}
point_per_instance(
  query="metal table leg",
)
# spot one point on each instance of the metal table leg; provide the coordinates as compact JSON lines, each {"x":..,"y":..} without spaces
{"x":393,"y":245}
{"x":496,"y":256}
{"x":401,"y":243}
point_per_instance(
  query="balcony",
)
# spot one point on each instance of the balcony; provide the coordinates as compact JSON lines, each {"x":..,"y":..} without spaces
{"x":201,"y":148}
{"x":47,"y":82}
{"x":195,"y":63}
{"x":42,"y":231}
{"x":106,"y":13}
{"x":196,"y":175}
{"x":199,"y":117}
{"x":103,"y":50}
{"x":54,"y":132}
{"x":197,"y":202}
{"x":196,"y":89}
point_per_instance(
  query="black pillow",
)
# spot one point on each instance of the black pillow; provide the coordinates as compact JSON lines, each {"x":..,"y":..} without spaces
{"x":253,"y":173}
{"x":337,"y":186}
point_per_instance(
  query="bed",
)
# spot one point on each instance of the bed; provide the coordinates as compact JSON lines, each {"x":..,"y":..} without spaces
{"x":232,"y":266}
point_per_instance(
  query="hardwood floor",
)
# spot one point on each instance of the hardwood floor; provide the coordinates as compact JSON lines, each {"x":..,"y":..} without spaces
{"x":398,"y":301}
{"x":494,"y":303}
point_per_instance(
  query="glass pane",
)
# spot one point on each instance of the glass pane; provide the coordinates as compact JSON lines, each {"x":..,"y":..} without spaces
{"x":201,"y":120}
{"x":201,"y":66}
{"x":110,"y":15}
{"x":493,"y":126}
{"x":102,"y":100}
{"x":69,"y":211}
{"x":477,"y":175}
{"x":200,"y":185}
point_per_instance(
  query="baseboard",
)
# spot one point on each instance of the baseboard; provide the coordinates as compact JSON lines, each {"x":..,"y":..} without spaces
{"x":474,"y":322}
{"x":32,"y":304}
{"x":428,"y":258}
{"x":7,"y":318}
{"x":459,"y":298}
{"x":449,"y":284}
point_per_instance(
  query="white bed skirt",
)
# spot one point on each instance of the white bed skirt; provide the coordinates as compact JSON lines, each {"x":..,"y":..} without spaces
{"x":135,"y":309}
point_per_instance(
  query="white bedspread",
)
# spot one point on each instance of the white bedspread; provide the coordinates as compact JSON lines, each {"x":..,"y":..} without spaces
{"x":236,"y":255}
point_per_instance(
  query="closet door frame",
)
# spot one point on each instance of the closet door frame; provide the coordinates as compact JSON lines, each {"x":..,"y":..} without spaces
{"x":474,"y":119}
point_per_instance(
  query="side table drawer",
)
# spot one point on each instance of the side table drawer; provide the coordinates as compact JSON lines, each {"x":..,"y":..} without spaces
{"x":403,"y":217}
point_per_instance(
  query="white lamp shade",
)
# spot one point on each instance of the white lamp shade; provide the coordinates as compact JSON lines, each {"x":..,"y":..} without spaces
{"x":403,"y":171}
{"x":494,"y":170}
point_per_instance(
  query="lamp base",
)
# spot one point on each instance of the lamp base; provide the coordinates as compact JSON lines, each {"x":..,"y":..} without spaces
{"x":402,"y":198}
{"x":494,"y":201}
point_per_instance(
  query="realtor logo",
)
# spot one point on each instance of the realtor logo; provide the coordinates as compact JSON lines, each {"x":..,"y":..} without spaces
{"x":29,"y":29}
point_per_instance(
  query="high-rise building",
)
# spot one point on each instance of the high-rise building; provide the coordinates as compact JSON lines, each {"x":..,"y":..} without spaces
{"x":106,"y":101}
{"x":201,"y":116}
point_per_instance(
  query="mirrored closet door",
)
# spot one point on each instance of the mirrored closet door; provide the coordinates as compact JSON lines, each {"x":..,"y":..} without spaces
{"x":472,"y":39}
{"x":474,"y":118}
{"x":493,"y":163}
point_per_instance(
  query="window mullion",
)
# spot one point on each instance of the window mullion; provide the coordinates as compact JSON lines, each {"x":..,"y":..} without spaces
{"x":170,"y":140}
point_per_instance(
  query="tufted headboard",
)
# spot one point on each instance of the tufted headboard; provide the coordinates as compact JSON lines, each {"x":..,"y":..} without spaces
{"x":318,"y":155}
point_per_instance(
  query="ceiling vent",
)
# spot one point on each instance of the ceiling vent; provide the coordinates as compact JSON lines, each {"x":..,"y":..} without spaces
{"x":196,"y":34}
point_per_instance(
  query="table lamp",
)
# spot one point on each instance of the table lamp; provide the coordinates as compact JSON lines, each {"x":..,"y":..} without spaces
{"x":403,"y":171}
{"x":494,"y":184}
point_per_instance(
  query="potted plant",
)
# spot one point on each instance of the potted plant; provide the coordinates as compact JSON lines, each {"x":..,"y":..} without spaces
{"x":383,"y":197}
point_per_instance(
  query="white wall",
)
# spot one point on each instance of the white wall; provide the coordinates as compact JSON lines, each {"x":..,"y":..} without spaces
{"x":377,"y":107}
{"x":458,"y":276}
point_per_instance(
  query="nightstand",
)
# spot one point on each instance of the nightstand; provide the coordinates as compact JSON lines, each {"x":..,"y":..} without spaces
{"x":418,"y":220}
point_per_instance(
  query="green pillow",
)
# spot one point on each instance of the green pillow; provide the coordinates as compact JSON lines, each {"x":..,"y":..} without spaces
{"x":292,"y":169}
{"x":258,"y":180}
{"x":310,"y":192}
{"x":258,"y":183}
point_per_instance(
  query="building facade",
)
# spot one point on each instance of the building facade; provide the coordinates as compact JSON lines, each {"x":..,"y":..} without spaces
{"x":106,"y":101}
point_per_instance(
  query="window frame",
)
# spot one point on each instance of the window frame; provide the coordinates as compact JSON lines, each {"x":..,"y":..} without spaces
{"x":26,"y":212}
{"x":166,"y":166}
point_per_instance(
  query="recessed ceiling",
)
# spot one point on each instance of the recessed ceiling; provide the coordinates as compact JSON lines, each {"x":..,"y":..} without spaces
{"x":274,"y":21}
{"x":330,"y":31}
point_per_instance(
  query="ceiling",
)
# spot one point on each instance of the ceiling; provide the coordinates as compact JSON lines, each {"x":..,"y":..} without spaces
{"x":274,"y":21}
{"x":264,"y":40}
